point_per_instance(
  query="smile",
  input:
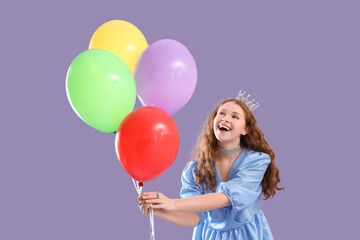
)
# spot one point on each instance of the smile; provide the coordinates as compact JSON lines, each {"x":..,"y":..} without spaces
{"x":224,"y":128}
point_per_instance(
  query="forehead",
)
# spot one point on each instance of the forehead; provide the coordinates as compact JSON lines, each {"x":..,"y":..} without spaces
{"x":232,"y":107}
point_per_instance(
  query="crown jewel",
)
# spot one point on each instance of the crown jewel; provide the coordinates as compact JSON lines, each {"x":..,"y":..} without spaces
{"x":245,"y":99}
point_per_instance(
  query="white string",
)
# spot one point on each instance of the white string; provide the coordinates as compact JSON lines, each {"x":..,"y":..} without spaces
{"x":136,"y":185}
{"x":152,"y":227}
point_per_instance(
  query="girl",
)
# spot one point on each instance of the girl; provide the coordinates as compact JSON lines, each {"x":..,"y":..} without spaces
{"x":222,"y":186}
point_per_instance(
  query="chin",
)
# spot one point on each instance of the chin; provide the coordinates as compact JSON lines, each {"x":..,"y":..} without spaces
{"x":227,"y":140}
{"x":224,"y":141}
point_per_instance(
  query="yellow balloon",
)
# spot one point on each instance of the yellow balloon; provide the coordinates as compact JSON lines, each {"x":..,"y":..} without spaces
{"x":121,"y":38}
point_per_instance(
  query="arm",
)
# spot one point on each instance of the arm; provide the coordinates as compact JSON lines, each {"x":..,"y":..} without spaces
{"x":199,"y":203}
{"x":202,"y":203}
{"x":179,"y":218}
{"x":193,"y":196}
{"x":239,"y":192}
{"x":174,"y":217}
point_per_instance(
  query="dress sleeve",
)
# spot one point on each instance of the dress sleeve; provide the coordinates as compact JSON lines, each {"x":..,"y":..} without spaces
{"x":190,"y":188}
{"x":245,"y":186}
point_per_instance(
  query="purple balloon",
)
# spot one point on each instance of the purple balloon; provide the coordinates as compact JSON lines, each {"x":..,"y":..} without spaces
{"x":165,"y":75}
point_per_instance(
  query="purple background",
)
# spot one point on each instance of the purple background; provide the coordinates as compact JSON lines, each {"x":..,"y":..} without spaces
{"x":60,"y":179}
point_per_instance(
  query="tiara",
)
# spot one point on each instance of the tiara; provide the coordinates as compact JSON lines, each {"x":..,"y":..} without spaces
{"x":245,"y":99}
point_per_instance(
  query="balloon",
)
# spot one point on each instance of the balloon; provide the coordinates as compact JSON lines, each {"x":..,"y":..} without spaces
{"x":100,"y":89}
{"x":122,"y":38}
{"x":165,"y":75}
{"x":147,"y":143}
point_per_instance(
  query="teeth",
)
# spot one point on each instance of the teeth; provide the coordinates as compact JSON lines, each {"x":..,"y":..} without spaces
{"x":223,"y":126}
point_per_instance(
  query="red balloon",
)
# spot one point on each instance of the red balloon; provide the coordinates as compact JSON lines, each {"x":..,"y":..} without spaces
{"x":147,"y":143}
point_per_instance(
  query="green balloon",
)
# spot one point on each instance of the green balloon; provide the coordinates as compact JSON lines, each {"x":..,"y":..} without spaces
{"x":101,"y":89}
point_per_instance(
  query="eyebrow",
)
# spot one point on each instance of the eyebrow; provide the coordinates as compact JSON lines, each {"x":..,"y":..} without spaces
{"x":222,"y":109}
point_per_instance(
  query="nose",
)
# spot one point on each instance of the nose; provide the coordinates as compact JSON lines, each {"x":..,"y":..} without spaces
{"x":224,"y":119}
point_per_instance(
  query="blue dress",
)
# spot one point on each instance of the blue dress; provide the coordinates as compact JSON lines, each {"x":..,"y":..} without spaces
{"x":244,"y":218}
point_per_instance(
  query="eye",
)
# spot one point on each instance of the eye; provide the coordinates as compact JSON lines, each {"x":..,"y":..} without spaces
{"x":221,"y":113}
{"x":235,"y":116}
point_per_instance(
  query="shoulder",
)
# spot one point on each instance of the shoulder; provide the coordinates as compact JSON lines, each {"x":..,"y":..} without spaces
{"x":190,"y":168}
{"x":188,"y":174}
{"x":257,"y":158}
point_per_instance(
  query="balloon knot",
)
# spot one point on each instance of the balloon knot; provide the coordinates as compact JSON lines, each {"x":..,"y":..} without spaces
{"x":141,"y":184}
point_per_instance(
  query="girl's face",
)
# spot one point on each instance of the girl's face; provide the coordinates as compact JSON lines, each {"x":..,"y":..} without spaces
{"x":229,"y":124}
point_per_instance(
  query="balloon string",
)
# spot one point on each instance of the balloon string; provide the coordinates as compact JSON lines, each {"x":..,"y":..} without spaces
{"x":136,"y":185}
{"x":152,"y":222}
{"x":152,"y":227}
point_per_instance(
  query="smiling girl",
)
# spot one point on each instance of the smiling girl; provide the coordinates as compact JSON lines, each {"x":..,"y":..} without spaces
{"x":222,"y":186}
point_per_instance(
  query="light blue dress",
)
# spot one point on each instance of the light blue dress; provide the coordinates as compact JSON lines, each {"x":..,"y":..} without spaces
{"x":243,"y":219}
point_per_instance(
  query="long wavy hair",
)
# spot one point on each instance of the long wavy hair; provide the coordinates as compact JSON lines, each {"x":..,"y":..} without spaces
{"x":206,"y":145}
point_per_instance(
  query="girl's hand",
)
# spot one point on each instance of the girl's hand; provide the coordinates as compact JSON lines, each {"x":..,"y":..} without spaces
{"x":157,"y":201}
{"x":146,"y":207}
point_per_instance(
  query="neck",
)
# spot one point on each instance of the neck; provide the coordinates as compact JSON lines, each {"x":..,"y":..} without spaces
{"x":228,"y":151}
{"x":228,"y":144}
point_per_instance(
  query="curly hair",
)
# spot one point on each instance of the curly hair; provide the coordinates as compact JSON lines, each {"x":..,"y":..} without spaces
{"x":205,"y":151}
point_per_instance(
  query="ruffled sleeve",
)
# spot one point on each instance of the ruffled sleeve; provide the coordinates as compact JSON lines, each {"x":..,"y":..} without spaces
{"x":245,"y":186}
{"x":190,"y":188}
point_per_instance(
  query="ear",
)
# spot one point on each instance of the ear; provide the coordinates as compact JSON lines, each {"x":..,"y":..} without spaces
{"x":244,"y":131}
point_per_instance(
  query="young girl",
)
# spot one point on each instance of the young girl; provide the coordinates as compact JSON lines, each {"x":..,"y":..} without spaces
{"x":222,"y":185}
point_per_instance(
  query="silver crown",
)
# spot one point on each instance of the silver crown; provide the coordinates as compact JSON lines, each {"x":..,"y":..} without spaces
{"x":251,"y":105}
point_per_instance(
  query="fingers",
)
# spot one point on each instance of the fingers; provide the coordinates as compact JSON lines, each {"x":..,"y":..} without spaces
{"x":153,"y":201}
{"x":151,"y":195}
{"x":145,"y":208}
{"x":150,"y":200}
{"x":158,"y":206}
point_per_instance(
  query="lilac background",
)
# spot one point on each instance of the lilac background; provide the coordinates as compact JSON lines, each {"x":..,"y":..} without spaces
{"x":60,"y":179}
